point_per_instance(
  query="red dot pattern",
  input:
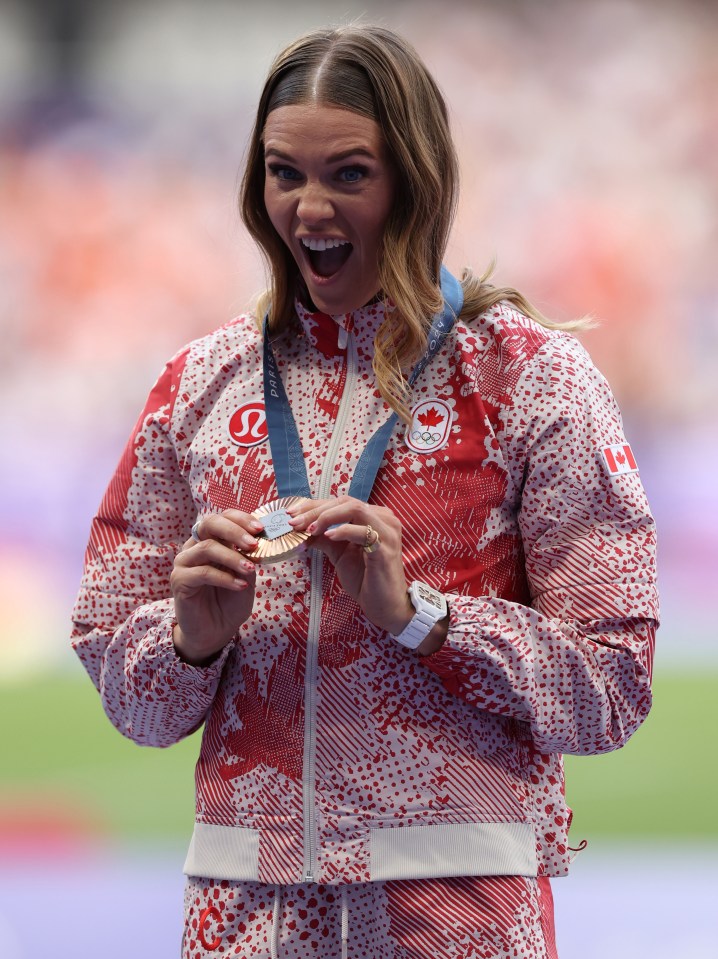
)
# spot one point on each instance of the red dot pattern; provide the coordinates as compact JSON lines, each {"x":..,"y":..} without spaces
{"x":496,"y":917}
{"x":546,"y":559}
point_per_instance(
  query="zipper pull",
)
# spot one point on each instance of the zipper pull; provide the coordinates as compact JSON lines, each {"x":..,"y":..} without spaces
{"x":343,"y":338}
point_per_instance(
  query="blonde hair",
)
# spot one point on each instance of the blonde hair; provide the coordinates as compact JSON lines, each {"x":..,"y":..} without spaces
{"x":373,"y":71}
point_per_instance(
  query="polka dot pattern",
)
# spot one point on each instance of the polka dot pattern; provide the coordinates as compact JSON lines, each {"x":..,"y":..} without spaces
{"x":497,"y":917}
{"x":546,"y":559}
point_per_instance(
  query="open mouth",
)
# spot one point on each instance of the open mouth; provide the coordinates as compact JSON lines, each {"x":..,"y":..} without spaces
{"x":327,"y":257}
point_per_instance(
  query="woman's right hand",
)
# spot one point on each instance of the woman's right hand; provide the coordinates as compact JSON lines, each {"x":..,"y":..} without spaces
{"x":213,"y":584}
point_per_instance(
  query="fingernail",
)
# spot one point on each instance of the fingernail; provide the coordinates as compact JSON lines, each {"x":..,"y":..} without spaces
{"x":240,"y":583}
{"x":255,"y":524}
{"x":312,"y":528}
{"x":249,"y":542}
{"x":248,"y":566}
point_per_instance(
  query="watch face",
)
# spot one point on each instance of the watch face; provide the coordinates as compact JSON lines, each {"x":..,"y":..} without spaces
{"x":430,"y":596}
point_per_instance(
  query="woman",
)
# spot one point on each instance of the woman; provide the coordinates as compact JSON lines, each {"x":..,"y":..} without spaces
{"x":385,"y":711}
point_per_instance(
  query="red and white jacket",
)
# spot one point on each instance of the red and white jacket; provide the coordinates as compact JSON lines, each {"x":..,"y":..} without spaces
{"x":330,"y":753}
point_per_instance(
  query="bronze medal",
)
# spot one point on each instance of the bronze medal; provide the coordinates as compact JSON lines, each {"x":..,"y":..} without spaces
{"x":279,"y":541}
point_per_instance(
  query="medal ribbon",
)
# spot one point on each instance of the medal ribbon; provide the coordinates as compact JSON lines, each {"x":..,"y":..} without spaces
{"x":284,"y":441}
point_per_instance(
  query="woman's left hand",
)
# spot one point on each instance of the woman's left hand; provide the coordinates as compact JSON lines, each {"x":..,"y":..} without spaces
{"x":376,"y":579}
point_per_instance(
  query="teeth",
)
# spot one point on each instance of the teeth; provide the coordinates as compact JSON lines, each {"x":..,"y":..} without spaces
{"x":313,"y":244}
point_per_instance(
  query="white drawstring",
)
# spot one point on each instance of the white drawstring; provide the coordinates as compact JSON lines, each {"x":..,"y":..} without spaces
{"x":275,"y":923}
{"x":345,"y":924}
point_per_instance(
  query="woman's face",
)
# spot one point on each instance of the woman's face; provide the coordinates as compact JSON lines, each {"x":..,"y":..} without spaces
{"x":329,"y":189}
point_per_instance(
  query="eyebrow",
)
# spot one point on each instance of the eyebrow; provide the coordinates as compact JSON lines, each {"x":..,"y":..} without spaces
{"x":334,"y":158}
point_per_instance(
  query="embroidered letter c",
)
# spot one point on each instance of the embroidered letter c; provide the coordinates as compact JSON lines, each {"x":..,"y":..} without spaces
{"x":211,"y":912}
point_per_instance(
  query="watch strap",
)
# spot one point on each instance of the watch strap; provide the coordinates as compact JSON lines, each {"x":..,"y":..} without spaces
{"x":423,"y":620}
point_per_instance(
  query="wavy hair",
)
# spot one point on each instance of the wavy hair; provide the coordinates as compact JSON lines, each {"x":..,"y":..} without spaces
{"x":373,"y":71}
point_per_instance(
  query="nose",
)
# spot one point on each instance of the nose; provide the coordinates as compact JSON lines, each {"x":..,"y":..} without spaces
{"x":314,"y":204}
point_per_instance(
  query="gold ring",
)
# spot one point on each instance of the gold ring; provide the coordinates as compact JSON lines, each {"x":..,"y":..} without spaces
{"x":370,"y":545}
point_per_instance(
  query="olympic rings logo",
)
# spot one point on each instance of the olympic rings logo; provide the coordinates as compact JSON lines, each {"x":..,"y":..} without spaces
{"x":431,"y":422}
{"x":425,"y":437}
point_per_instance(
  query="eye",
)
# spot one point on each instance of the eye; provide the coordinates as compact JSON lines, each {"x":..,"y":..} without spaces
{"x":283,"y":172}
{"x":352,"y":174}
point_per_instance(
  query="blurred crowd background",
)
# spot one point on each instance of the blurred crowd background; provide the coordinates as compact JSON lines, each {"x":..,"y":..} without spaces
{"x":588,"y":139}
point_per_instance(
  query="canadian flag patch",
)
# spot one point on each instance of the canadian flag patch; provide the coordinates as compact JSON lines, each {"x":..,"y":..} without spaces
{"x":430,"y":426}
{"x":619,"y":459}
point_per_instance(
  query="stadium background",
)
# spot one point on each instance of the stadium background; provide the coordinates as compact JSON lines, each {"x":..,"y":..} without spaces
{"x":588,"y":135}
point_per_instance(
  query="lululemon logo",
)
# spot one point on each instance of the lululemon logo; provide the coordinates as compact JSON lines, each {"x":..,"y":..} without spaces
{"x":248,"y":426}
{"x":430,"y":426}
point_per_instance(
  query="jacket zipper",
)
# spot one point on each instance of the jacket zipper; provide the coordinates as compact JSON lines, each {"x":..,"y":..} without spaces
{"x":311,"y":674}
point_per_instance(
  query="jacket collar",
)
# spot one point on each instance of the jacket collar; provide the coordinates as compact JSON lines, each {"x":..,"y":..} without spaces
{"x":328,"y":333}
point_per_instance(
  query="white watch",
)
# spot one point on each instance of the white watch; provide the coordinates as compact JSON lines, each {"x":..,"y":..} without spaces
{"x":430,"y":606}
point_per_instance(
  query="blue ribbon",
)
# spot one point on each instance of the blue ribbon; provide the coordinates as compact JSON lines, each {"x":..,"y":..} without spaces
{"x":285,"y":444}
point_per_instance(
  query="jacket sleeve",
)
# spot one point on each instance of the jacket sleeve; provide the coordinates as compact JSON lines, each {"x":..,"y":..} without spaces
{"x":124,"y":617}
{"x":576,"y":664}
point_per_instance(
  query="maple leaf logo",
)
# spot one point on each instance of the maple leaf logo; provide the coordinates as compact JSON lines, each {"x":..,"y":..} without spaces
{"x":430,"y":418}
{"x":620,"y":458}
{"x":272,"y":731}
